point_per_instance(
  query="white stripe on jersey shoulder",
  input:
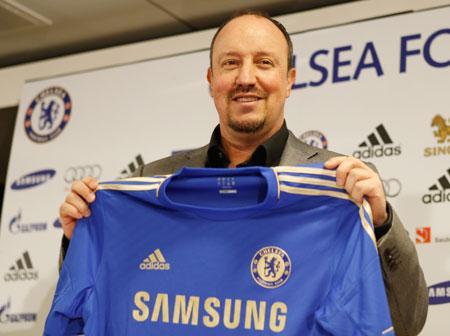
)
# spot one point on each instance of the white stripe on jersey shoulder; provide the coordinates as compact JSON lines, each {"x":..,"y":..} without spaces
{"x":309,"y":180}
{"x":315,"y":192}
{"x":387,"y":331}
{"x":305,"y":170}
{"x":364,"y":208}
{"x":145,"y":179}
{"x":131,"y":187}
{"x":134,"y":183}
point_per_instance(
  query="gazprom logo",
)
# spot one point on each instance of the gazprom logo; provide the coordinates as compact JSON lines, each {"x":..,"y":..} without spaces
{"x":439,"y":293}
{"x":33,"y":179}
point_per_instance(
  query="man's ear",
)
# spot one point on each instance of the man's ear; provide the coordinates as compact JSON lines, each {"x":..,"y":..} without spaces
{"x":209,"y":78}
{"x":292,"y":74}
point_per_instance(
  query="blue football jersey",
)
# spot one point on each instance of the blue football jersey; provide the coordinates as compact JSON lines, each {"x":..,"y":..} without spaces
{"x":247,"y":251}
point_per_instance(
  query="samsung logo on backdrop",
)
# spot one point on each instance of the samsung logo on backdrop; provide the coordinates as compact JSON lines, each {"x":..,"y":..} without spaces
{"x":439,"y":293}
{"x":33,"y":179}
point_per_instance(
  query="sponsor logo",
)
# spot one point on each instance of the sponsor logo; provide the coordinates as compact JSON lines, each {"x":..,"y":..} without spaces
{"x":314,"y":138}
{"x":423,"y":235}
{"x":378,"y":144}
{"x":16,"y":225}
{"x":442,"y":133}
{"x":392,"y":187}
{"x":243,"y":316}
{"x":155,"y":261}
{"x":132,"y":167}
{"x":7,"y":317}
{"x":57,"y":224}
{"x":79,"y":172}
{"x":439,"y":293}
{"x":22,"y":269}
{"x":33,"y":179}
{"x":48,"y":114}
{"x":440,"y":191}
{"x":271,"y":267}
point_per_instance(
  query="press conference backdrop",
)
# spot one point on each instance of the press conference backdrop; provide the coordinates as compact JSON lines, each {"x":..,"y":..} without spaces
{"x":377,"y":90}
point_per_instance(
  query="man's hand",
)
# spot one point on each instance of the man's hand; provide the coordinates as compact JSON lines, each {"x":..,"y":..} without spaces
{"x":359,"y":180}
{"x":77,"y":202}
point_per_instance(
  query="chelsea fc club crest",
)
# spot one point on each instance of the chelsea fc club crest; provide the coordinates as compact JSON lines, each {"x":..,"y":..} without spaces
{"x":48,"y":114}
{"x":314,"y":138}
{"x":271,"y":267}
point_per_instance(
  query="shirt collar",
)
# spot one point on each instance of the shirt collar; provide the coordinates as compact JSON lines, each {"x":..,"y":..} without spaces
{"x":267,"y":154}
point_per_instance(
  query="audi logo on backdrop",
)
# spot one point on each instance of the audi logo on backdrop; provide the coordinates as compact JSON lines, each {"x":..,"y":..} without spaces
{"x":79,"y":172}
{"x":392,"y":187}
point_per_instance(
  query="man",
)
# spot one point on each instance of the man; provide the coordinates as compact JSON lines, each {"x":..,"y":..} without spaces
{"x":250,"y":76}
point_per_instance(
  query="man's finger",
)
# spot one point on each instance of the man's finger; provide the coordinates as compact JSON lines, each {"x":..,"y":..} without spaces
{"x":334,"y":162}
{"x":79,"y":203}
{"x":68,"y":213}
{"x":82,"y":189}
{"x":91,"y":182}
{"x":355,"y":175}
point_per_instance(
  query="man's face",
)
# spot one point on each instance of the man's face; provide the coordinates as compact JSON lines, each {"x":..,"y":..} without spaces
{"x":249,"y":77}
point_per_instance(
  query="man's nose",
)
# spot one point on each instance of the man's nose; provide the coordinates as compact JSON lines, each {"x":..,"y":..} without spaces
{"x":246,"y":75}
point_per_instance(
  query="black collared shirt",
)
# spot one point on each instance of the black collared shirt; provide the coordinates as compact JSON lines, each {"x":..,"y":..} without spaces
{"x":267,"y":154}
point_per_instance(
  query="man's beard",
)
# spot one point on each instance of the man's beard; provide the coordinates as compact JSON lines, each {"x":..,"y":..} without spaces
{"x":252,"y":126}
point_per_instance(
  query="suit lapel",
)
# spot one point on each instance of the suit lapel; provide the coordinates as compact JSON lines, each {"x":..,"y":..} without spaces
{"x":297,"y":152}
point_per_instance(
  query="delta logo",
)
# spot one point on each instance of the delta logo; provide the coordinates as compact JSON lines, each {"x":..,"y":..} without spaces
{"x":440,"y":191}
{"x":7,"y":317}
{"x":33,"y":179}
{"x":378,"y":144}
{"x":441,"y":131}
{"x":22,"y":269}
{"x":439,"y":293}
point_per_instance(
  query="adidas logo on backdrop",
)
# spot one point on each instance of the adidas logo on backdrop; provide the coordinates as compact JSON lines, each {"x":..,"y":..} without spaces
{"x":439,"y":192}
{"x":132,"y":167}
{"x":378,"y":144}
{"x":22,"y":269}
{"x":155,"y":261}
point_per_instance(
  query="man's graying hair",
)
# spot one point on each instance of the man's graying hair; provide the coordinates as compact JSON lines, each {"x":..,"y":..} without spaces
{"x":261,"y":15}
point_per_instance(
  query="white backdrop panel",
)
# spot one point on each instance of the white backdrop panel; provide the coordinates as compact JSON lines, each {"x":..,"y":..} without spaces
{"x":141,"y":112}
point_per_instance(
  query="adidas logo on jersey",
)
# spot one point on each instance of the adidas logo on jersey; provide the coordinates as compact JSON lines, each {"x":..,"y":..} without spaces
{"x":22,"y":269}
{"x":378,"y":144}
{"x":155,"y":261}
{"x":439,"y":192}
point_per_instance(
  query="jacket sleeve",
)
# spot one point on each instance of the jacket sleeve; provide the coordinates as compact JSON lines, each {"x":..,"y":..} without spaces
{"x":404,"y":280}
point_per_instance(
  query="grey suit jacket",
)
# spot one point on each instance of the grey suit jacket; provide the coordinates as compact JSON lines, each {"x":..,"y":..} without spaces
{"x":404,"y":280}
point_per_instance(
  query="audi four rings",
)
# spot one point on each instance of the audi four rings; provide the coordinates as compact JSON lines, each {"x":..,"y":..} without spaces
{"x":392,"y":187}
{"x":78,"y":173}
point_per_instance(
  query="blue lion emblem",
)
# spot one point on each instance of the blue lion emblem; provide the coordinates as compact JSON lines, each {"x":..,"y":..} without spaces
{"x":48,"y":114}
{"x":271,"y":267}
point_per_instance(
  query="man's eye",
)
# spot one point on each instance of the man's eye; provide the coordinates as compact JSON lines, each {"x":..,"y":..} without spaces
{"x":230,"y":62}
{"x":266,"y":61}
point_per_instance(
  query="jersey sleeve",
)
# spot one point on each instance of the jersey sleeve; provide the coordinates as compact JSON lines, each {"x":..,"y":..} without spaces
{"x":71,"y":307}
{"x":357,"y":302}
